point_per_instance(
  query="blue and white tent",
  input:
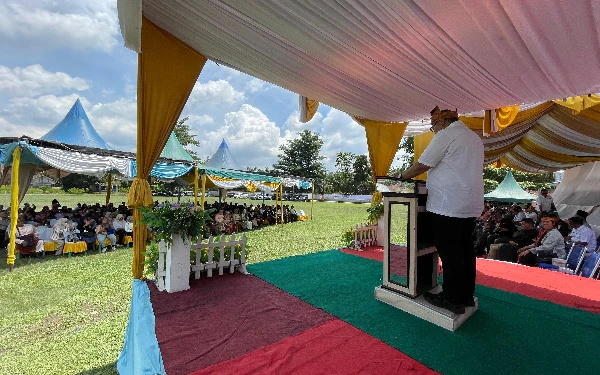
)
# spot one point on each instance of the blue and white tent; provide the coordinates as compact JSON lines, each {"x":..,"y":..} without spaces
{"x":76,"y":129}
{"x":223,"y":159}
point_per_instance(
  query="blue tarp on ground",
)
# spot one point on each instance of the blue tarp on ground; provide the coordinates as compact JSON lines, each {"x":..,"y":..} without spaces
{"x":76,"y":129}
{"x":141,"y":353}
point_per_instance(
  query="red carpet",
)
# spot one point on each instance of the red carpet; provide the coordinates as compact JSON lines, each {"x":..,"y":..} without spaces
{"x":334,"y":347}
{"x":224,"y":317}
{"x":559,"y":288}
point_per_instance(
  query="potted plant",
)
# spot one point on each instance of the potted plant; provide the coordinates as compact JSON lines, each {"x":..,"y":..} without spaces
{"x":179,"y":226}
{"x":375,"y":212}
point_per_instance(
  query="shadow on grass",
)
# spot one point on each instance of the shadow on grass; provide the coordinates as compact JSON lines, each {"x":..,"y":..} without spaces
{"x":109,"y":369}
{"x":29,"y":260}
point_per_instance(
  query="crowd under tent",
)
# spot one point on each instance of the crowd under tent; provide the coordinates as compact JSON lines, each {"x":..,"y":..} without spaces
{"x":509,"y":191}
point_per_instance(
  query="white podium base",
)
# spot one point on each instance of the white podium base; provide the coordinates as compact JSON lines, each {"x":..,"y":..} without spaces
{"x":423,"y":309}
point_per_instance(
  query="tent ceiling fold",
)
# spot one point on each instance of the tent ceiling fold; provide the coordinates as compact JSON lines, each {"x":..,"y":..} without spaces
{"x":393,"y":60}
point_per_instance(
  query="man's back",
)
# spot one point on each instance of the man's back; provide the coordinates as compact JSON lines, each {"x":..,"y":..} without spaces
{"x":455,"y":180}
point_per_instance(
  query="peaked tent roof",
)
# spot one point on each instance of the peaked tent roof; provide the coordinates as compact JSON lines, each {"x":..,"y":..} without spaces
{"x":223,"y":159}
{"x":76,"y":129}
{"x":174,"y":150}
{"x":509,"y":191}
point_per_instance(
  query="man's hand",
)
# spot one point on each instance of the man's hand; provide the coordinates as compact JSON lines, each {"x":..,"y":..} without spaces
{"x":512,"y":243}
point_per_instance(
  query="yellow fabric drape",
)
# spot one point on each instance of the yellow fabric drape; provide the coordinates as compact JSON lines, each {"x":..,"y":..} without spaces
{"x":376,"y":198}
{"x":167,"y":72}
{"x":196,"y":186}
{"x":251,"y":187}
{"x":108,"y":187}
{"x":14,"y":205}
{"x":383,"y":139}
{"x":504,"y":118}
{"x":579,"y":103}
{"x":476,"y":123}
{"x":421,"y":142}
{"x":203,"y":197}
{"x":311,"y":108}
{"x":553,"y":156}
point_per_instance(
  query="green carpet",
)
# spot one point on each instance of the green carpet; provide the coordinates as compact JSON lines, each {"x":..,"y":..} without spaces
{"x":509,"y":334}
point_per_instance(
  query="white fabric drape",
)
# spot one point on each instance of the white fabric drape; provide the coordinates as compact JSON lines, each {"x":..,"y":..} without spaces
{"x":76,"y":162}
{"x":26,"y":172}
{"x":130,"y":22}
{"x":395,"y":60}
{"x":227,"y":184}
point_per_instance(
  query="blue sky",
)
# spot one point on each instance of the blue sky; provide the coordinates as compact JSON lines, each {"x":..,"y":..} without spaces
{"x":54,"y":52}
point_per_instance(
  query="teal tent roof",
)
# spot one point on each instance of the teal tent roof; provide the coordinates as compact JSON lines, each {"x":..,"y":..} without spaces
{"x":509,"y":191}
{"x":174,"y":150}
{"x":237,"y":175}
{"x":76,"y":129}
{"x":223,"y":159}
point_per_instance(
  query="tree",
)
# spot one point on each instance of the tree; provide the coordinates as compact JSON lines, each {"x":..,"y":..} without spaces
{"x":363,"y":179}
{"x":408,"y":147}
{"x":344,"y":172}
{"x":80,"y":181}
{"x":301,"y":157}
{"x":528,"y":181}
{"x":182,"y":132}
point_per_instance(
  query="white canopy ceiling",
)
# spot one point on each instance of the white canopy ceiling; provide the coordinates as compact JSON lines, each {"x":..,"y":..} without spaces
{"x":394,"y":60}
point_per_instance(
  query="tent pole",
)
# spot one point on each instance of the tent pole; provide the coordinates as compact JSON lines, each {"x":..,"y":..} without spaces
{"x":196,"y":186}
{"x":202,"y":197}
{"x":281,"y":201}
{"x":14,"y":206}
{"x":312,"y":200}
{"x":108,"y":187}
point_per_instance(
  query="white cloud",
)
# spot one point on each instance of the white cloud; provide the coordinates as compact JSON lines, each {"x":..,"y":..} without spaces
{"x":79,"y":24}
{"x":116,"y":122}
{"x":257,"y":85}
{"x":34,"y":117}
{"x":35,"y":80}
{"x":293,"y":124}
{"x":341,"y":133}
{"x":213,"y":95}
{"x":252,"y":138}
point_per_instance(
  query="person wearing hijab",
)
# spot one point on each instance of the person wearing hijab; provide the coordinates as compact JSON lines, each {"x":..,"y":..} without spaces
{"x":59,"y":230}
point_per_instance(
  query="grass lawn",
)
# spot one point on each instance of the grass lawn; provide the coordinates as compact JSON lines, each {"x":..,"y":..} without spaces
{"x":63,"y":315}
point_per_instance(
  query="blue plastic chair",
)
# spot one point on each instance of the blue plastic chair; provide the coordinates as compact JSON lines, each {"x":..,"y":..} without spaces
{"x":575,"y":258}
{"x":590,"y":266}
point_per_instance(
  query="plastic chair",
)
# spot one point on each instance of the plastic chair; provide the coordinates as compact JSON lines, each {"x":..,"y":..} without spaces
{"x":575,"y":258}
{"x":590,"y":266}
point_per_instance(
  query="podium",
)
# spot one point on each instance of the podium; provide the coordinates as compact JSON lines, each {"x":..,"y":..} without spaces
{"x":410,"y":261}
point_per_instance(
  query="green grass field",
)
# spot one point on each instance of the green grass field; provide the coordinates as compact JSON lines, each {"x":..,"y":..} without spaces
{"x":62,"y":315}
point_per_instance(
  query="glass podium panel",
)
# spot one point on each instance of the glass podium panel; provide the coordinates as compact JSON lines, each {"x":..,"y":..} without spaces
{"x":398,"y":254}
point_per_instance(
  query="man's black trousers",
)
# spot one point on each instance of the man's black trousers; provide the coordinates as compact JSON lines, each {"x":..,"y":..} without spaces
{"x":453,"y":238}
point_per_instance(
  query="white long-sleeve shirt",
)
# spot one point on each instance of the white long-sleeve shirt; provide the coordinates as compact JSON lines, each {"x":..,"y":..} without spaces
{"x":584,"y":234}
{"x":552,"y":243}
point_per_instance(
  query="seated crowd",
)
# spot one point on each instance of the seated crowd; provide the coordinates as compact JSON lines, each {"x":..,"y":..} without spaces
{"x":528,"y":237}
{"x":96,"y":225}
{"x":231,"y":218}
{"x":107,"y":226}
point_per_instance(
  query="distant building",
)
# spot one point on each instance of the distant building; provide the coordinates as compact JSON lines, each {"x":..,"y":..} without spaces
{"x":41,"y":179}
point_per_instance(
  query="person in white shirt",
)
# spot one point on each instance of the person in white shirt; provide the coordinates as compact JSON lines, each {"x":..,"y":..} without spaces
{"x":454,"y":161}
{"x":530,"y":213}
{"x":519,"y":214}
{"x":549,"y":244}
{"x":544,"y":202}
{"x":581,"y":235}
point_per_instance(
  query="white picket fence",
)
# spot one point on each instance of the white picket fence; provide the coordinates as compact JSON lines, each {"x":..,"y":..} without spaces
{"x":365,"y":235}
{"x":211,"y":265}
{"x":222,"y":263}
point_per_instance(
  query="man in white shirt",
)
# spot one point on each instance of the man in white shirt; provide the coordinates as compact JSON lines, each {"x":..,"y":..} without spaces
{"x":530,"y":213}
{"x":454,"y":161}
{"x":582,"y":235}
{"x":544,"y":202}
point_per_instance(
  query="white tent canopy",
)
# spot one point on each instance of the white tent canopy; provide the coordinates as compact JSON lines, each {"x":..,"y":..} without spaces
{"x":393,"y":60}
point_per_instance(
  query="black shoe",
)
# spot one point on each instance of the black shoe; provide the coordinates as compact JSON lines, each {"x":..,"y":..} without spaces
{"x":443,"y":303}
{"x":470,"y":302}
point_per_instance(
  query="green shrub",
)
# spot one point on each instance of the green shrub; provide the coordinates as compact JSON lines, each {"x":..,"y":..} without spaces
{"x":348,"y":238}
{"x":375,"y":212}
{"x":75,"y":191}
